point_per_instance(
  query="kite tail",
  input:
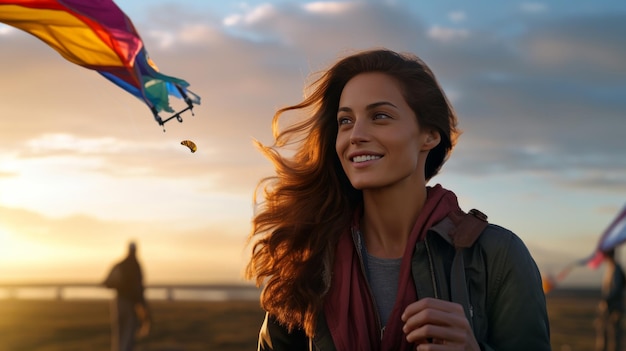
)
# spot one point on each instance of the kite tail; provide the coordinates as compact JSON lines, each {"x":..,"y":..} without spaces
{"x":552,"y":281}
{"x":565,"y":271}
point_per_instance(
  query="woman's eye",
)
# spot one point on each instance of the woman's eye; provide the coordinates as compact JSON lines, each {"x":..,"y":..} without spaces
{"x":381,"y":116}
{"x":343,"y":120}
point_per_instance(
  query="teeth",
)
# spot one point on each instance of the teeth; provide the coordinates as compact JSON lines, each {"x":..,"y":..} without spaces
{"x":364,"y":158}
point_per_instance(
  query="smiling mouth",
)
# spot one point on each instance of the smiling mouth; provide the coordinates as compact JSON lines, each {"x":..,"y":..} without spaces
{"x":364,"y":158}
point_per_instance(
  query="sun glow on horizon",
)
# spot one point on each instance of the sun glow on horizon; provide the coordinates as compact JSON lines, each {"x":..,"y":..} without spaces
{"x":15,"y":249}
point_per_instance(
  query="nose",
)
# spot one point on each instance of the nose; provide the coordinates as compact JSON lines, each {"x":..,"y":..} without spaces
{"x":358,"y":133}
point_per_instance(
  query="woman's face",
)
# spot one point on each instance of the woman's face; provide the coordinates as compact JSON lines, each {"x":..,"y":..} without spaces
{"x":379,"y":141}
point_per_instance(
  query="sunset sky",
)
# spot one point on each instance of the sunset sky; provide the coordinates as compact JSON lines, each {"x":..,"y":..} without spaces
{"x":539,"y":88}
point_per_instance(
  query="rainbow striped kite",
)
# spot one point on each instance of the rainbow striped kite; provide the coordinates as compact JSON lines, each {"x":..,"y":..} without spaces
{"x":613,"y":236}
{"x":96,"y":34}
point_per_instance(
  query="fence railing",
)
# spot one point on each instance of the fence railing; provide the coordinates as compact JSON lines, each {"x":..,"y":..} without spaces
{"x":225,"y":291}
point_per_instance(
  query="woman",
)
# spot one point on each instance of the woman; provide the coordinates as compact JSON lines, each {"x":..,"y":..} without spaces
{"x":356,"y":252}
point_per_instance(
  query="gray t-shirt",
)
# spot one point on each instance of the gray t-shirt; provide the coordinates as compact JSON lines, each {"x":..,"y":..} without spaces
{"x":383,"y":275}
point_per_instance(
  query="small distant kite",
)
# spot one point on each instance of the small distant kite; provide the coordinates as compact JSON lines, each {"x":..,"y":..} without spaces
{"x":97,"y":34}
{"x":190,"y":144}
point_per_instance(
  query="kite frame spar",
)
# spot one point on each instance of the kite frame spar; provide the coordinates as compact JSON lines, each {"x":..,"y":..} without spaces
{"x":189,"y":108}
{"x":97,"y":34}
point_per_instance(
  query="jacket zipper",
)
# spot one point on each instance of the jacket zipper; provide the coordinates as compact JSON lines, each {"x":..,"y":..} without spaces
{"x":434,"y":280}
{"x":357,"y":243}
{"x":432,"y":269}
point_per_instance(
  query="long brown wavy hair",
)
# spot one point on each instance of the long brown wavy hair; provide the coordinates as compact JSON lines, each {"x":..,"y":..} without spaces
{"x":309,"y":202}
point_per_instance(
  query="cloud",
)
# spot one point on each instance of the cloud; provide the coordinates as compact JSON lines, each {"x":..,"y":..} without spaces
{"x":5,"y":29}
{"x":564,"y":104}
{"x":586,"y":47}
{"x":328,"y":7}
{"x":254,"y":15}
{"x":533,"y":7}
{"x":457,"y":16}
{"x":447,"y":34}
{"x":67,"y":142}
{"x":336,"y":27}
{"x":4,"y":174}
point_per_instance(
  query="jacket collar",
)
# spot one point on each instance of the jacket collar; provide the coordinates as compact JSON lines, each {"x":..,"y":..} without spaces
{"x":443,"y":229}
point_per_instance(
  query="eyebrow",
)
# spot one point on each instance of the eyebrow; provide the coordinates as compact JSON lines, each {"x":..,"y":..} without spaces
{"x":370,"y":106}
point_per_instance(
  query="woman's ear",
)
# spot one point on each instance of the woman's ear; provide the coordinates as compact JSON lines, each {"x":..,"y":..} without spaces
{"x":432,"y":138}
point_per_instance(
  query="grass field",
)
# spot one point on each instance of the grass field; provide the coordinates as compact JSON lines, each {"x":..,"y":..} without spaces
{"x":44,"y":325}
{"x":572,"y":317}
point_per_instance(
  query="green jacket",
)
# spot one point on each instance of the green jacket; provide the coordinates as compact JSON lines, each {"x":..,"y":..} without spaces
{"x":507,"y":302}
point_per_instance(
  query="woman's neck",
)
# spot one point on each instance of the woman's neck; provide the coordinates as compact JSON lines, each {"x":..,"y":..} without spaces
{"x":388,"y":219}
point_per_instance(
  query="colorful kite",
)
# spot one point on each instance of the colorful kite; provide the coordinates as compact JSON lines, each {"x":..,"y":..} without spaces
{"x":612,"y":237}
{"x":96,"y":34}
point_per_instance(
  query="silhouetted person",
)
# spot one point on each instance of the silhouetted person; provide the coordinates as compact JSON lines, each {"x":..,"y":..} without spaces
{"x":129,"y":312}
{"x":611,"y":308}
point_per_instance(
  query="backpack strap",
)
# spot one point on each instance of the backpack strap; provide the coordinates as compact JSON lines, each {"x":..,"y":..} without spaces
{"x":468,"y":228}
